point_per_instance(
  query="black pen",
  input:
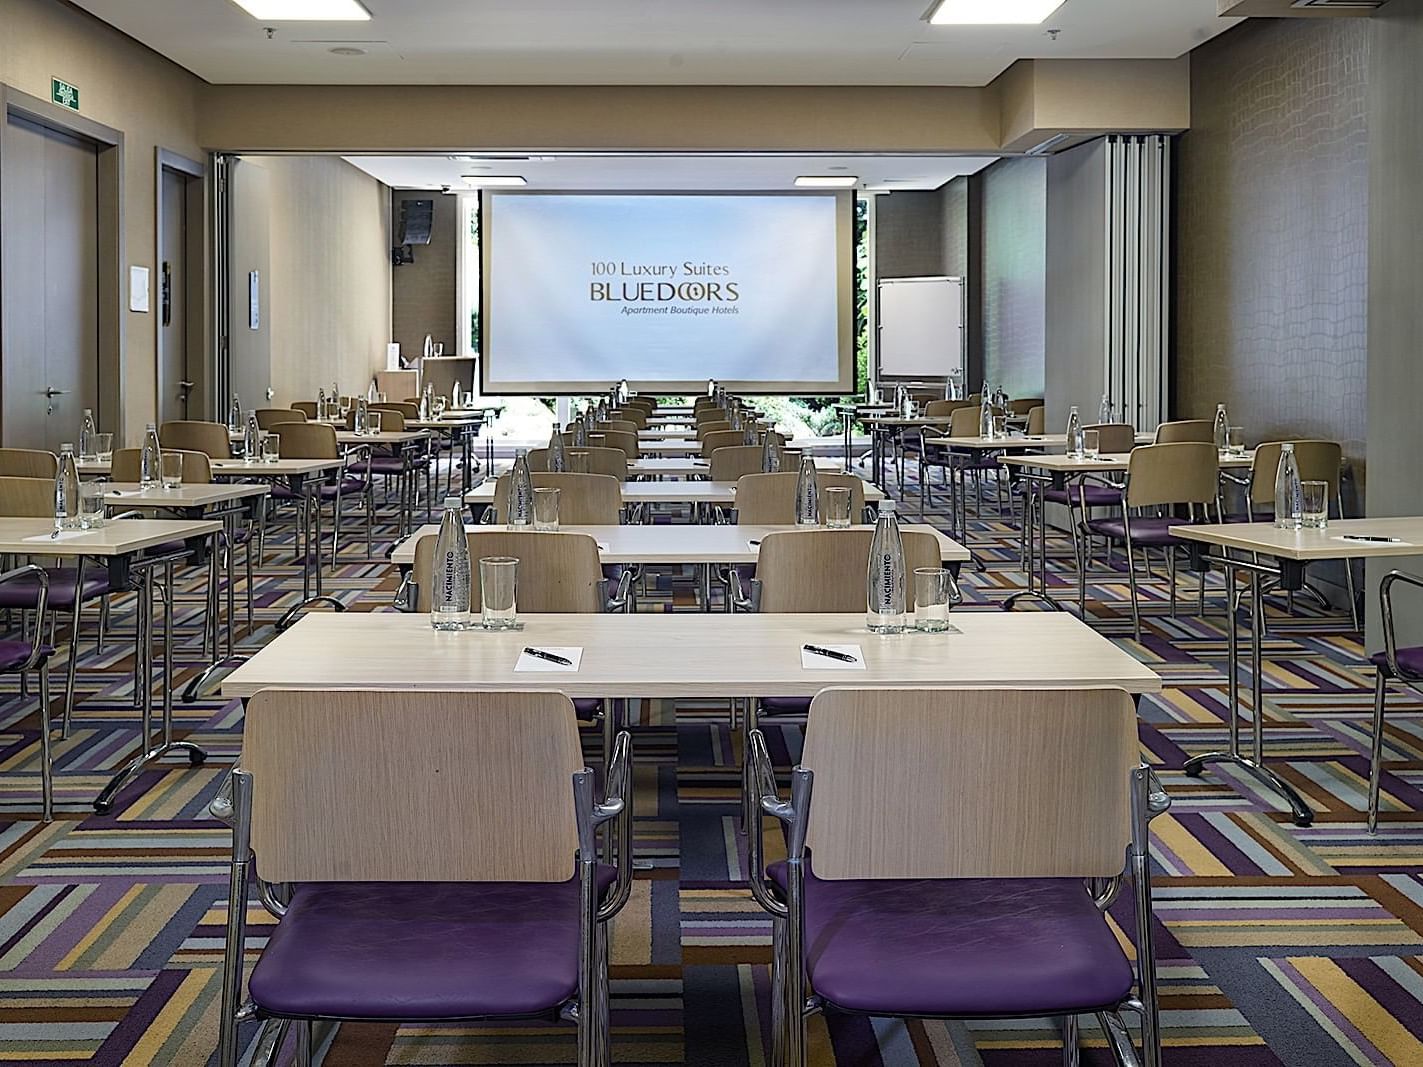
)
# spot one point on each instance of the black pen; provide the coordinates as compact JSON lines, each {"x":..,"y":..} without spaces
{"x":816,"y":650}
{"x":1372,"y":539}
{"x":539,"y":653}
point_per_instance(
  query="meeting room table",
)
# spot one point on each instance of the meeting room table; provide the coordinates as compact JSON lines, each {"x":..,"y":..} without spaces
{"x":705,"y":546}
{"x":1262,"y":550}
{"x":694,"y":467}
{"x":131,"y":550}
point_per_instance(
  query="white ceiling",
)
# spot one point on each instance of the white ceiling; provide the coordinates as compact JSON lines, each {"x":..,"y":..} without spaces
{"x":669,"y":172}
{"x":648,"y":42}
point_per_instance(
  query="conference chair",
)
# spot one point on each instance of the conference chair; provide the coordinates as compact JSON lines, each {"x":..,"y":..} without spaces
{"x":559,"y":572}
{"x":612,"y":462}
{"x":1187,"y":430}
{"x":731,"y":463}
{"x":190,"y":435}
{"x":711,"y":426}
{"x":620,"y":425}
{"x":473,"y":891}
{"x":624,"y":440}
{"x":965,"y":421}
{"x":901,"y":894}
{"x":406,"y":409}
{"x":1161,"y":480}
{"x":721,"y":439}
{"x":711,"y":413}
{"x":769,"y":499}
{"x":1037,"y":421}
{"x":317,"y":440}
{"x":28,"y":463}
{"x":1022,"y":407}
{"x":268,"y":418}
{"x":630,"y":413}
{"x":815,"y":570}
{"x":1403,"y":664}
{"x":583,"y":499}
{"x":1113,"y":438}
{"x":306,"y":407}
{"x":50,"y":588}
{"x":400,"y":462}
{"x":928,"y":453}
{"x":22,"y":658}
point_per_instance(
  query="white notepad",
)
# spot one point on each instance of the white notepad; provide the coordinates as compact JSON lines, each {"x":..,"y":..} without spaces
{"x":64,"y":535}
{"x":809,"y":661}
{"x":535,"y":665}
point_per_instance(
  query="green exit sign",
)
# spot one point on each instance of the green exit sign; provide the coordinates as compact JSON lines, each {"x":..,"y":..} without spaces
{"x":64,"y":94}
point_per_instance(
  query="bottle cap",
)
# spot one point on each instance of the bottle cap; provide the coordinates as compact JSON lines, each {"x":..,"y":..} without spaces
{"x":67,"y":447}
{"x":453,"y":502}
{"x":886,"y":507}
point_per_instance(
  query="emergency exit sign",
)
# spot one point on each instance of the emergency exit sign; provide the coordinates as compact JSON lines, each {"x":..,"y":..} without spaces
{"x":64,"y":94}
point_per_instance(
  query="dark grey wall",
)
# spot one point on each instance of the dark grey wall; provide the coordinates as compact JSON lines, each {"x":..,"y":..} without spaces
{"x":1076,"y":286}
{"x":425,"y":294}
{"x":1272,"y":231}
{"x":1014,"y":272}
{"x":909,"y":234}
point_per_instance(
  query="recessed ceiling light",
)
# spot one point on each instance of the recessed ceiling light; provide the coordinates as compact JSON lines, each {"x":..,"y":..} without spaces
{"x":992,"y":12}
{"x":493,"y":181}
{"x":346,"y":50}
{"x":305,"y":10}
{"x":827,"y":181}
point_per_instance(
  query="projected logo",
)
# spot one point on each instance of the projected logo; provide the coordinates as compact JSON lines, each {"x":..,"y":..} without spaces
{"x":685,"y":288}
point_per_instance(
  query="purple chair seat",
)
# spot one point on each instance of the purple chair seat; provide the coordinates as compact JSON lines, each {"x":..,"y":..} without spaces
{"x":347,"y":487}
{"x":1145,"y":530}
{"x":960,"y":948}
{"x":1097,"y":496}
{"x":979,"y":461}
{"x":422,"y":950}
{"x":14,"y":653}
{"x":282,"y":491}
{"x":785,"y":705}
{"x":386,"y":466}
{"x":63,"y":584}
{"x":1410,"y":662}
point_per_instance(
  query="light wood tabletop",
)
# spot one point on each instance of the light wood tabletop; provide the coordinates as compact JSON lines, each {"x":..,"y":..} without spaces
{"x":187,"y":495}
{"x":671,"y":467}
{"x":723,"y":493}
{"x":669,"y":544}
{"x":1000,"y":444}
{"x":682,"y":446}
{"x":1118,"y":461}
{"x":1405,"y":533}
{"x":688,"y":655}
{"x":279,"y":468}
{"x":121,"y":538}
{"x":350,"y":437}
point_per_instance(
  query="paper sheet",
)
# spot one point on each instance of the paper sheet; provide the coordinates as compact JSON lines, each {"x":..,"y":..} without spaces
{"x":809,"y":661}
{"x":534,"y":665}
{"x":64,"y":535}
{"x":1390,"y":543}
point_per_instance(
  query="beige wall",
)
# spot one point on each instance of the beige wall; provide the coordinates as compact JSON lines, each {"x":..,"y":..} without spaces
{"x":125,"y":86}
{"x":328,"y":293}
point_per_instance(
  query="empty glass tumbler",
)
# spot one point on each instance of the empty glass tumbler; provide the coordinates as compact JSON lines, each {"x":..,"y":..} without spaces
{"x":1314,"y":512}
{"x":837,"y":507}
{"x":1091,"y":444}
{"x":546,"y":509}
{"x":578,"y":461}
{"x":498,"y":589}
{"x":271,"y":448}
{"x":935,"y":595}
{"x":171,"y":465}
{"x":92,"y":512}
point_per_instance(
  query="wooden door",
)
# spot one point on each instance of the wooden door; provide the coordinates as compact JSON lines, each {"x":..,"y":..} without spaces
{"x":174,"y":382}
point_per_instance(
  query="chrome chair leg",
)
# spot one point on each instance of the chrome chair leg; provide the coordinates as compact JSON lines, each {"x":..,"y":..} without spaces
{"x":1376,"y":749}
{"x":1071,"y":1046}
{"x":1118,"y":1039}
{"x":1131,"y":581}
{"x":46,"y":750}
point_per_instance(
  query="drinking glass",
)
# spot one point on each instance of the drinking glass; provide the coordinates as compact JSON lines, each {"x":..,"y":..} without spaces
{"x":271,"y":448}
{"x":438,"y":349}
{"x":373,"y":421}
{"x":578,"y":462}
{"x":380,"y":398}
{"x":935,"y":594}
{"x":837,"y":507}
{"x":440,"y":405}
{"x":171,"y":466}
{"x":91,"y":505}
{"x":104,"y":447}
{"x":1236,"y":441}
{"x":1000,"y":426}
{"x":546,"y":509}
{"x":1091,"y":444}
{"x":1315,"y":512}
{"x":498,"y":583}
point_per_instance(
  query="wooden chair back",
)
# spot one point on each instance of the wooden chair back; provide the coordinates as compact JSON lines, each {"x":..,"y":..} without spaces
{"x":1114,"y":438}
{"x":26,"y":498}
{"x":712,"y":426}
{"x":373,"y":786}
{"x":710,"y":413}
{"x":1186,"y":430}
{"x":1318,"y":461}
{"x":769,"y":499}
{"x":558,"y":572}
{"x":1037,"y":421}
{"x":730,"y":464}
{"x":627,"y":441}
{"x":1186,"y":472}
{"x":630,"y":413}
{"x":1024,"y":406}
{"x":270,"y":417}
{"x":721,"y":439}
{"x":620,"y":425}
{"x":127,"y":466}
{"x":583,"y":499}
{"x":307,"y":440}
{"x":940,"y":409}
{"x":965,"y":421}
{"x":407,"y":409}
{"x":306,"y":407}
{"x":612,"y":462}
{"x":824,"y":570}
{"x":189,"y":435}
{"x":28,"y":463}
{"x":970,"y":783}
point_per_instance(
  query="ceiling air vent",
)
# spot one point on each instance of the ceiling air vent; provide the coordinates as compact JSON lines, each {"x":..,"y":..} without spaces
{"x":1350,"y":5}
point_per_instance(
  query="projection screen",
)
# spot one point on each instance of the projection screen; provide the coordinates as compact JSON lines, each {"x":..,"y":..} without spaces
{"x":581,"y":290}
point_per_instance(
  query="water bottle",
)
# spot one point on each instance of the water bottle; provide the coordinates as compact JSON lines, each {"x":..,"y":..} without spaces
{"x":150,"y":472}
{"x":66,"y":491}
{"x":252,"y":438}
{"x":906,"y":407}
{"x":424,"y":406}
{"x":1074,"y":434}
{"x":807,"y":493}
{"x":320,"y":401}
{"x":602,"y":409}
{"x":580,"y":434}
{"x":711,"y":387}
{"x":735,"y":417}
{"x":234,"y":415}
{"x":456,"y":396}
{"x":985,"y":414}
{"x":623,"y":391}
{"x":557,"y":459}
{"x":361,"y":422}
{"x":884,"y":583}
{"x":521,"y":492}
{"x":1000,"y":401}
{"x":1289,"y":497}
{"x":1104,"y":413}
{"x":770,"y":454}
{"x":371,"y":392}
{"x":86,"y":435}
{"x":1222,"y":429}
{"x":449,"y":578}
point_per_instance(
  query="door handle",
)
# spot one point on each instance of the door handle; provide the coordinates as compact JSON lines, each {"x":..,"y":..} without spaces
{"x":56,"y":392}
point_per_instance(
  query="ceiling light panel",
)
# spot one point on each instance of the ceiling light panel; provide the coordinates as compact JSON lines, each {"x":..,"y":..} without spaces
{"x":827,"y":181}
{"x":305,"y":10}
{"x":993,"y":12}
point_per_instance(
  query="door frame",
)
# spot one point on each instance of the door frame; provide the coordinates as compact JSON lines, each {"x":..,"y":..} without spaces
{"x":110,"y":239}
{"x":198,"y":364}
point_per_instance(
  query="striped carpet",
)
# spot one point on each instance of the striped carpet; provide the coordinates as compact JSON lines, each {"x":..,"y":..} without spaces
{"x":1277,"y":944}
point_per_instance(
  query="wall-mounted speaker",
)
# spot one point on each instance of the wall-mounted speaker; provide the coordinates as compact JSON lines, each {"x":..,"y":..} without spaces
{"x":417,"y":219}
